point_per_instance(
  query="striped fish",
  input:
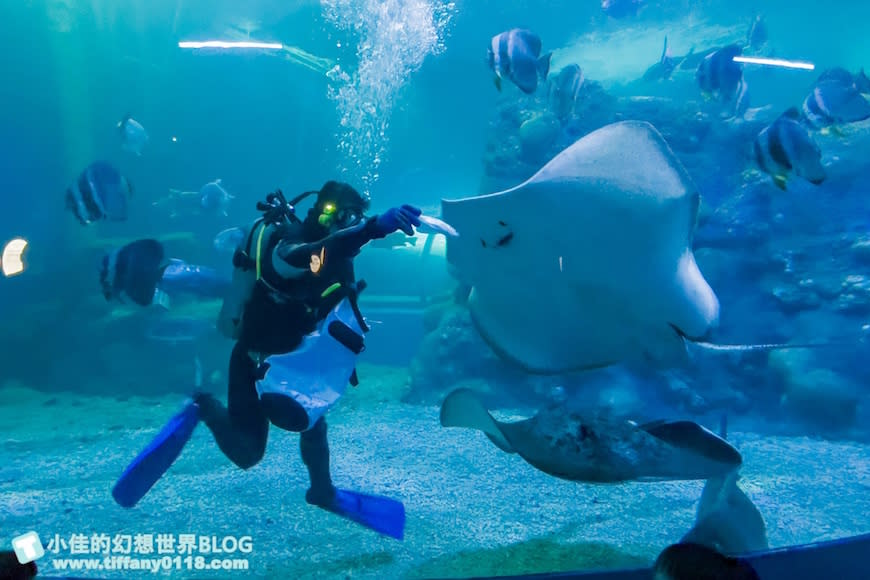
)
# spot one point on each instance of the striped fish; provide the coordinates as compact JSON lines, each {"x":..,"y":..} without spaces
{"x":786,"y":147}
{"x":834,"y":100}
{"x":515,"y":54}
{"x":99,"y":193}
{"x":721,"y":78}
{"x":133,"y":272}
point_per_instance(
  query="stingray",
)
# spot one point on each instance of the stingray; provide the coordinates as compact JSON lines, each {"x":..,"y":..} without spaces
{"x":588,"y":263}
{"x":598,"y":447}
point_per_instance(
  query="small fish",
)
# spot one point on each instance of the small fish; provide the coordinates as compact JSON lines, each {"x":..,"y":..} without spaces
{"x":213,"y":197}
{"x":229,"y":239}
{"x":720,"y":77}
{"x":99,"y":193}
{"x":834,"y":100}
{"x":434,"y":225}
{"x":133,"y":272}
{"x":622,"y":8}
{"x":786,"y":147}
{"x":756,"y":37}
{"x":133,"y":135}
{"x":565,"y":89}
{"x":598,"y":448}
{"x":664,"y":68}
{"x":176,"y":329}
{"x":516,"y":54}
{"x":690,"y":561}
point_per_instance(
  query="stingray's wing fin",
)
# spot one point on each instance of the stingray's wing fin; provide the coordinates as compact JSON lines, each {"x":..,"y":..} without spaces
{"x":462,"y":408}
{"x":692,"y":436}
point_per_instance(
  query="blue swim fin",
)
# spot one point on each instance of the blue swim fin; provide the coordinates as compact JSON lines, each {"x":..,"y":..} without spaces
{"x":381,"y":514}
{"x":150,"y":465}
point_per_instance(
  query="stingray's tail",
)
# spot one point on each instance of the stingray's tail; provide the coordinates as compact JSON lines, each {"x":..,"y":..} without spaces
{"x":726,"y":519}
{"x":462,"y":408}
{"x":712,"y":496}
{"x":711,"y":346}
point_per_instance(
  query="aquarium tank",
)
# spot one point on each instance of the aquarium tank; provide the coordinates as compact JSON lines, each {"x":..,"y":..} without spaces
{"x":416,"y":289}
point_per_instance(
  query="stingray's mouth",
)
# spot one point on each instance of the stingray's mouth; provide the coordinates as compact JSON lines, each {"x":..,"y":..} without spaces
{"x":704,"y":338}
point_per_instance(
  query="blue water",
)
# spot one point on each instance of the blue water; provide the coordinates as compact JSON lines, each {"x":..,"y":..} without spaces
{"x":395,"y":98}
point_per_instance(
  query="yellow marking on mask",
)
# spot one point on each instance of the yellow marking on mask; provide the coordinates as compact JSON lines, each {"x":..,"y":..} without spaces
{"x":326,"y":217}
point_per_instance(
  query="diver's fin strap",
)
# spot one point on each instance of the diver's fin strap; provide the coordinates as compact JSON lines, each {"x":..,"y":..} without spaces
{"x":346,"y":336}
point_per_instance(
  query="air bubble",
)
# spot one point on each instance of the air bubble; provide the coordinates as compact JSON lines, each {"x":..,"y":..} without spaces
{"x":396,"y":37}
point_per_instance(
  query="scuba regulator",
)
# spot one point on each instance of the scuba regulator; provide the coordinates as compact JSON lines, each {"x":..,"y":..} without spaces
{"x":276,"y":209}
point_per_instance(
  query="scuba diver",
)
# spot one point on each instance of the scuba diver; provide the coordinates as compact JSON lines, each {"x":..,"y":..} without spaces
{"x":293,"y":313}
{"x":289,"y":274}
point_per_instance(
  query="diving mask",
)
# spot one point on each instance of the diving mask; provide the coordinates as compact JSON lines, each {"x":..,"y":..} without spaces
{"x":340,"y":218}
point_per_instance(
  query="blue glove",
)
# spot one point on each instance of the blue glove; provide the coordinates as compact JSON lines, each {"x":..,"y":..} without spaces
{"x":397,"y":218}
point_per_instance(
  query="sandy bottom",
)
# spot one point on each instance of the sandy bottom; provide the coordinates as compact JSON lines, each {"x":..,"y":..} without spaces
{"x":471,"y":509}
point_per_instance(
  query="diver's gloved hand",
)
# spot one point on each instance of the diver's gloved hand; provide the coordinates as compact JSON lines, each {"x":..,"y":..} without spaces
{"x":398,"y":218}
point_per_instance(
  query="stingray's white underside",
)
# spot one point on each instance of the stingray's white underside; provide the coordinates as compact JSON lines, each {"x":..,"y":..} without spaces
{"x":589,"y":262}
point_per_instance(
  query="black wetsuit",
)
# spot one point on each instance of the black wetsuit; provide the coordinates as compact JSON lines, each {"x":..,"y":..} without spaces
{"x":275,"y":323}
